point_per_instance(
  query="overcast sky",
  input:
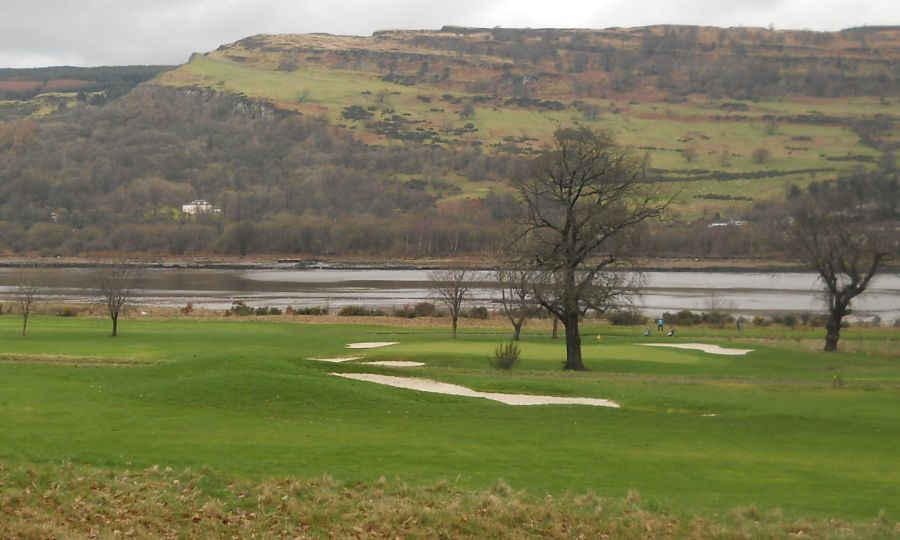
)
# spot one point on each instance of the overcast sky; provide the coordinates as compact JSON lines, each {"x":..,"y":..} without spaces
{"x":118,"y":32}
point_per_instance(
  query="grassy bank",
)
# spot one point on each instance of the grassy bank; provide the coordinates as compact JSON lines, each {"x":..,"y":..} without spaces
{"x":696,"y":435}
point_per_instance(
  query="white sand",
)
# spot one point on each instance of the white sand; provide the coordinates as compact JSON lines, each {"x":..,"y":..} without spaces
{"x":337,"y":359}
{"x":396,"y":363}
{"x":427,"y":385}
{"x":371,"y":344}
{"x":711,"y":349}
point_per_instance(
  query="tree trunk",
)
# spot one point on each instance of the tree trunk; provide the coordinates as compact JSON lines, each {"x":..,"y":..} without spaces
{"x":555,"y":334}
{"x":517,"y":330}
{"x":115,"y":321}
{"x":24,"y":323}
{"x":454,"y":318}
{"x":833,"y":331}
{"x":573,"y":344}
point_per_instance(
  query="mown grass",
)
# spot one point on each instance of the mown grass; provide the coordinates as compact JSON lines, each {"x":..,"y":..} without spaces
{"x":697,"y":434}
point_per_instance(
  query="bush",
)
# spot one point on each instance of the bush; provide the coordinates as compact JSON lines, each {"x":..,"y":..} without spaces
{"x":262,"y":310}
{"x":68,"y":312}
{"x":422,"y":309}
{"x":683,"y":318}
{"x":787,"y":319}
{"x":478,"y":312}
{"x":760,"y":321}
{"x":239,"y":308}
{"x":274,"y":311}
{"x":358,"y":311}
{"x":318,"y":311}
{"x":505,"y":356}
{"x":626,"y":318}
{"x":717,"y":318}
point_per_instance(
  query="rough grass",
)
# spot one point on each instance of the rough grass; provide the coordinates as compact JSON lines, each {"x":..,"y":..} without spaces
{"x":68,"y":501}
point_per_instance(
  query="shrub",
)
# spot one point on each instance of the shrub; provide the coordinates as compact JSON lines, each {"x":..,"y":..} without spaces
{"x":358,"y":311}
{"x":310,"y":311}
{"x":716,"y":318}
{"x":760,"y":321}
{"x":274,"y":311}
{"x":683,"y":318}
{"x":262,"y":310}
{"x":478,"y":312}
{"x":505,"y":356}
{"x":787,"y":319}
{"x":626,"y":318}
{"x":422,"y":309}
{"x":239,"y":308}
{"x":67,"y":312}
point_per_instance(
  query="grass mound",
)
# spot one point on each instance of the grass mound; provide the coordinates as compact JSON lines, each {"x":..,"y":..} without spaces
{"x":71,"y":501}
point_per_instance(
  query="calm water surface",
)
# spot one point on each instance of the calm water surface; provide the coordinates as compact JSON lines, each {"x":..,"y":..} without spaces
{"x":736,"y":292}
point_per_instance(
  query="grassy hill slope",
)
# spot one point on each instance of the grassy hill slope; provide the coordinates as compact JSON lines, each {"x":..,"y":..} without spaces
{"x":704,"y":104}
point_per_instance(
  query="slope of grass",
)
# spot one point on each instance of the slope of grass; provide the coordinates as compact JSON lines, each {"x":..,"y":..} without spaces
{"x":696,"y":433}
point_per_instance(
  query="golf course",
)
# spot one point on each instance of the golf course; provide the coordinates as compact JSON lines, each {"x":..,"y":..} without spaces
{"x":234,"y":406}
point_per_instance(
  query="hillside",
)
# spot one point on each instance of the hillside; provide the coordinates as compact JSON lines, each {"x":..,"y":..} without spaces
{"x":403,"y":143}
{"x":698,"y":101}
{"x":42,"y":91}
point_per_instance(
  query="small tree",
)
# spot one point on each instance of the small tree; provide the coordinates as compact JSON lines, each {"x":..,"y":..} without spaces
{"x":516,"y":297}
{"x":761,"y":156}
{"x":830,"y":237}
{"x":27,"y":289}
{"x":452,"y":288}
{"x":115,"y":284}
{"x":690,"y":153}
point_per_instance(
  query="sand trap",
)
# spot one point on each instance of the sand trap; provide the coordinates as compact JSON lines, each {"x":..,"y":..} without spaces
{"x":371,"y":344}
{"x":396,"y":363}
{"x":337,"y":359}
{"x":711,"y":349}
{"x":427,"y":385}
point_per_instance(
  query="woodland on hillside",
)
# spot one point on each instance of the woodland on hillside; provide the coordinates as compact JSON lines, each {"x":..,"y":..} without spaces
{"x":111,"y":173}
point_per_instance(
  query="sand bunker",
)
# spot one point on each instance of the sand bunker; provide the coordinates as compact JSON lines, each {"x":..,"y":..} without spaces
{"x":371,"y":344}
{"x":337,"y":359}
{"x":396,"y":363}
{"x":427,"y":385}
{"x":711,"y":349}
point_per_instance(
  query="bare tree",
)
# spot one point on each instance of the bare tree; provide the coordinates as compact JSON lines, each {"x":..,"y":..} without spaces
{"x":831,"y":238}
{"x":27,"y":289}
{"x":452,"y":288}
{"x":516,"y":296}
{"x":584,"y":204}
{"x":115,"y":284}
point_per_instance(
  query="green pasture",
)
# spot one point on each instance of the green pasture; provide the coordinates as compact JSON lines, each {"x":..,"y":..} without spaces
{"x":695,"y":432}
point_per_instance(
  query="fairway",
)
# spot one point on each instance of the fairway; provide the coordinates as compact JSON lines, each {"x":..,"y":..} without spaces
{"x":696,"y":432}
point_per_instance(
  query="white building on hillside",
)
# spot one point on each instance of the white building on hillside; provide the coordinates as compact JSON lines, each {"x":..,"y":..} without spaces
{"x":199,"y":207}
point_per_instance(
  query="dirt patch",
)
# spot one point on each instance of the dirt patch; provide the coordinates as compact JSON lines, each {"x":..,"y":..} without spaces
{"x":435,"y":387}
{"x":705,"y":347}
{"x":71,"y":361}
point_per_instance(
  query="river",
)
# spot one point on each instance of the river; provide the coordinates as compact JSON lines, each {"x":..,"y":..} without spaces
{"x":748,"y":293}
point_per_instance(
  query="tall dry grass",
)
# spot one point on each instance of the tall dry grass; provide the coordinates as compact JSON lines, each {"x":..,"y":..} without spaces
{"x":71,"y":501}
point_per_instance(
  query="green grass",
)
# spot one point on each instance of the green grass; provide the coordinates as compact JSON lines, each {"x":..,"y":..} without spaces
{"x":239,"y":398}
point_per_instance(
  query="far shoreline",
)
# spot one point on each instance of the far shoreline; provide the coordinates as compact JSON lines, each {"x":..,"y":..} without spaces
{"x":262,"y":262}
